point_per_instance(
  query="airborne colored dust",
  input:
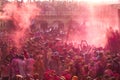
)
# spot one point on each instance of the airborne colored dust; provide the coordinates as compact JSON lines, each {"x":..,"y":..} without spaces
{"x":93,"y":21}
{"x":21,"y":14}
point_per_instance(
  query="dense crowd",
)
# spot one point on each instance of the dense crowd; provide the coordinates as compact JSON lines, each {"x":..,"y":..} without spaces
{"x":46,"y":55}
{"x":41,"y":59}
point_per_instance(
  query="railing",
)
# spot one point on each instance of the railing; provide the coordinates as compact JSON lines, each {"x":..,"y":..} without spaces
{"x":55,"y":13}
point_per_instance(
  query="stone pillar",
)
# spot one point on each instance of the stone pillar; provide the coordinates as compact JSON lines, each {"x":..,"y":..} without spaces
{"x":0,"y":13}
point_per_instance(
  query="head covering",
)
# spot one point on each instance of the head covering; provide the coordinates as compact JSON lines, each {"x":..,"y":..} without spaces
{"x":19,"y":77}
{"x":62,"y":78}
{"x":108,"y":72}
{"x":74,"y":78}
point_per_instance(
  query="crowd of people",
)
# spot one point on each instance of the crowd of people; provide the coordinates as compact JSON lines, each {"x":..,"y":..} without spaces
{"x":40,"y":59}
